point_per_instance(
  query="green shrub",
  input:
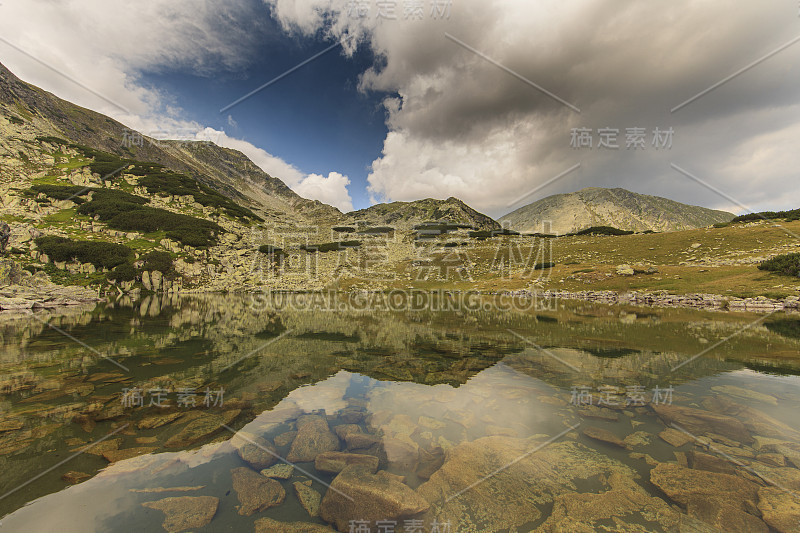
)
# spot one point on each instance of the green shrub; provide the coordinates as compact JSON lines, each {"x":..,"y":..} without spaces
{"x":52,"y":140}
{"x":123,"y":272}
{"x":794,"y":214}
{"x":377,"y":230}
{"x":100,"y":254}
{"x":60,"y":192}
{"x":270,"y":249}
{"x":16,"y":120}
{"x":485,"y":234}
{"x":167,"y":183}
{"x":330,"y":246}
{"x":127,"y":212}
{"x":602,"y":230}
{"x":788,"y":264}
{"x":161,"y":261}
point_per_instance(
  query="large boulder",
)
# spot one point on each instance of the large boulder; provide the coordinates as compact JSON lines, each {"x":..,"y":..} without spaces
{"x":497,"y":483}
{"x":358,"y":494}
{"x":313,"y":438}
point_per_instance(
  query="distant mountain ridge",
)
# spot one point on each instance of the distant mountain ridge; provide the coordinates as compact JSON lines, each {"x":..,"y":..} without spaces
{"x":619,"y":208}
{"x":406,"y":215}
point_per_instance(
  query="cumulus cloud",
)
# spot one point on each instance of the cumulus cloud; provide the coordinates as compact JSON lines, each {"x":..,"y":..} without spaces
{"x":331,"y":190}
{"x":460,"y":125}
{"x":96,"y":48}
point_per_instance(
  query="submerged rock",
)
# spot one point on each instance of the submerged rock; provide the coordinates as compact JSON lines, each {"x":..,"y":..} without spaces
{"x":113,"y":456}
{"x":335,"y":462}
{"x":256,"y":451}
{"x":74,"y":477}
{"x":358,"y":494}
{"x":722,"y":500}
{"x":604,"y":435}
{"x":779,"y":508}
{"x":675,"y":437}
{"x":204,"y":426}
{"x":627,"y":504}
{"x":496,"y":483}
{"x":700,"y":422}
{"x":268,"y":525}
{"x":279,"y":471}
{"x":185,"y":512}
{"x":285,"y":439}
{"x":313,"y":438}
{"x":753,"y":419}
{"x":152,"y":422}
{"x":256,"y":492}
{"x":309,"y":498}
{"x":599,"y":413}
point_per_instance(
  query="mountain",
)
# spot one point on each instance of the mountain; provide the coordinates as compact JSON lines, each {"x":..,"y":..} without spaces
{"x":406,"y":215}
{"x":619,"y":208}
{"x":228,"y":171}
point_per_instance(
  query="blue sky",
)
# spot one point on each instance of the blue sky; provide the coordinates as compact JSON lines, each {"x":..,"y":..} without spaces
{"x":479,"y":104}
{"x":315,"y":118}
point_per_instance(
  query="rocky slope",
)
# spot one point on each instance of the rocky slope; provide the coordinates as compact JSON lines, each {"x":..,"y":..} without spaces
{"x":34,"y":112}
{"x":406,"y":215}
{"x":618,"y":208}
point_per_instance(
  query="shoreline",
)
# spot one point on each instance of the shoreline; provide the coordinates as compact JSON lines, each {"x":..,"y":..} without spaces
{"x":28,"y":297}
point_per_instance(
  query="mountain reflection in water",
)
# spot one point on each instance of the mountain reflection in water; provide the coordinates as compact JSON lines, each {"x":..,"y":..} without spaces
{"x":411,"y":418}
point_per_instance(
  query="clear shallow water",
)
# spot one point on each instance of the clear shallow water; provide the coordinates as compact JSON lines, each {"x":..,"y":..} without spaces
{"x":442,"y":399}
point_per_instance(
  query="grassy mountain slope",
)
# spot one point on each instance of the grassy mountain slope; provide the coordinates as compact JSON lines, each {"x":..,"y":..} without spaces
{"x":618,"y":208}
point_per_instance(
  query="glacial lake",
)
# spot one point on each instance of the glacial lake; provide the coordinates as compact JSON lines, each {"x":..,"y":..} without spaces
{"x":219,"y":413}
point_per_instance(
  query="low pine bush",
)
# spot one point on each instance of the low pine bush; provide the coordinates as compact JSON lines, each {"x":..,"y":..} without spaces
{"x":100,"y":254}
{"x":788,"y":264}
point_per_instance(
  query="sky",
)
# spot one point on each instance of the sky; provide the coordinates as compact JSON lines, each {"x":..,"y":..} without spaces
{"x":496,"y":102}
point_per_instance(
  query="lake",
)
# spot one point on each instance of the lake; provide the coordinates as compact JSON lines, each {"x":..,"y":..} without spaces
{"x":229,"y":413}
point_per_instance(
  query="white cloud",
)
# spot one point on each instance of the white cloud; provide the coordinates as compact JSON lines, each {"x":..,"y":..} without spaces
{"x":461,"y":126}
{"x":331,"y":190}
